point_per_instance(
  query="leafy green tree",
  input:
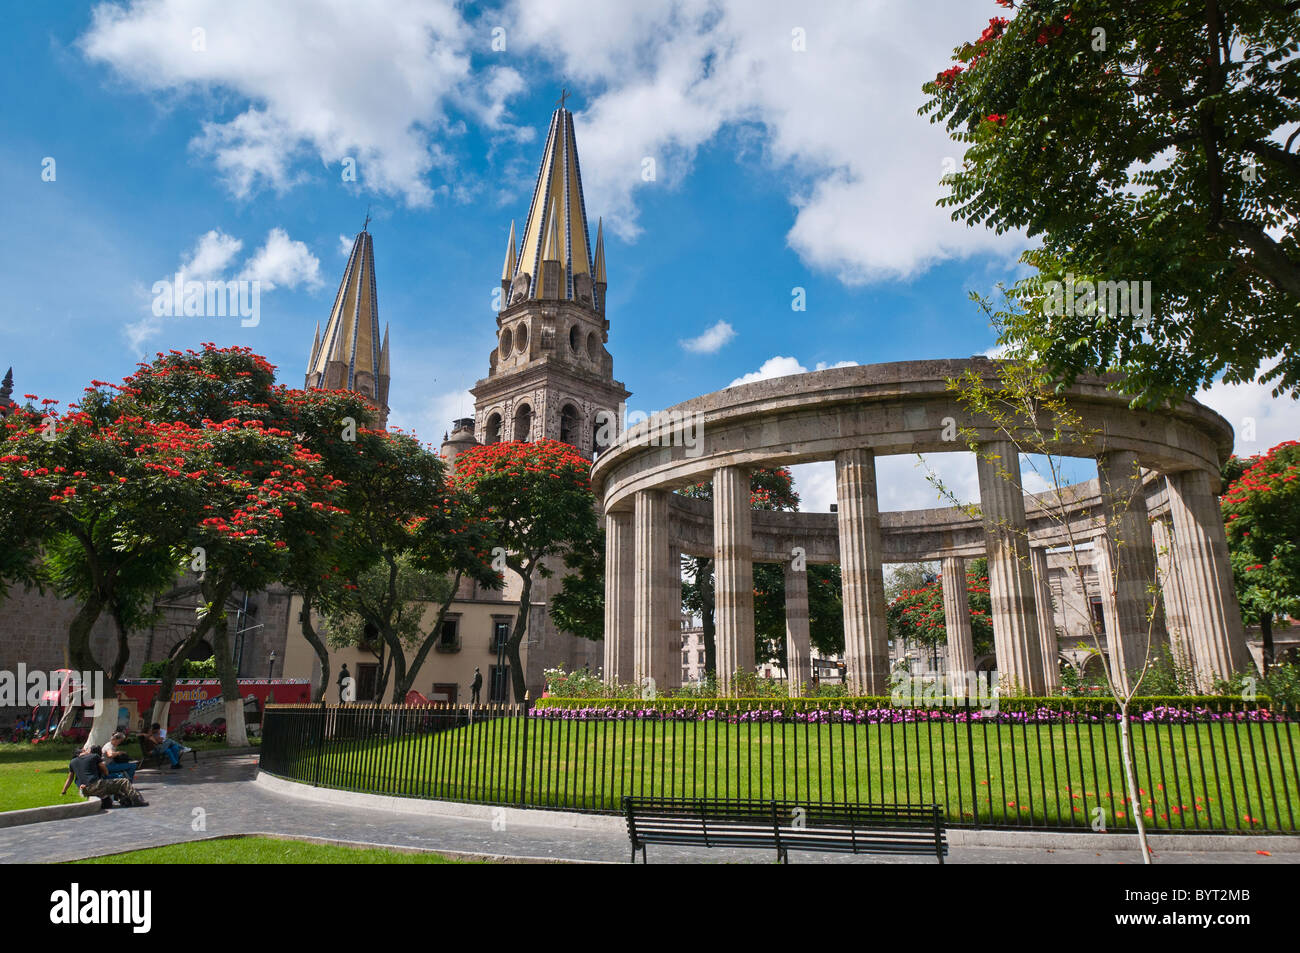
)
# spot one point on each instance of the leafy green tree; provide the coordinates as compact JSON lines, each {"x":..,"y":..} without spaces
{"x":1140,"y":141}
{"x":537,"y":502}
{"x":917,"y":614}
{"x":1261,"y":510}
{"x":579,"y":607}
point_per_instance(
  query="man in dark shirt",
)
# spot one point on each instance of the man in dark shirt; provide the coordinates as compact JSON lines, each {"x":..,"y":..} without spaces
{"x":476,"y":686}
{"x":88,"y":770}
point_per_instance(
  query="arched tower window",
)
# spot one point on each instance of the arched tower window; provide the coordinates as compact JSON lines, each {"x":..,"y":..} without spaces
{"x":524,"y":422}
{"x":570,"y":425}
{"x":493,"y":433}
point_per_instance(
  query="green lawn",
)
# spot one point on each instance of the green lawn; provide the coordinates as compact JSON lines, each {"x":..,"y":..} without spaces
{"x":31,"y":775}
{"x":267,"y":850}
{"x":1192,"y":777}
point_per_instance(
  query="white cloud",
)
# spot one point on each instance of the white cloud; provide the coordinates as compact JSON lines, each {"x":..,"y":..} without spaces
{"x":712,"y":340}
{"x":838,"y":118}
{"x":783,"y":367}
{"x":432,"y":417}
{"x":1250,"y":408}
{"x":283,"y":261}
{"x":345,"y":245}
{"x":772,"y":367}
{"x":322,"y":78}
{"x":212,"y":254}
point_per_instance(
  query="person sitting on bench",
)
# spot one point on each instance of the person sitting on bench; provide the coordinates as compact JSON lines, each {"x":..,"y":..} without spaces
{"x":88,"y":770}
{"x":116,"y":759}
{"x":167,"y":746}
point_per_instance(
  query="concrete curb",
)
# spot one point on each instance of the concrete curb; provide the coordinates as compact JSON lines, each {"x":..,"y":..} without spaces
{"x":364,"y":845}
{"x":528,"y":817}
{"x":51,"y":812}
{"x":610,"y":823}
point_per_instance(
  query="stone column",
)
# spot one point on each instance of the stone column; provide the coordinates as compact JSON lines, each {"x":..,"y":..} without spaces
{"x":618,"y":598}
{"x":733,"y":573}
{"x":1201,"y":560}
{"x":1011,"y":586}
{"x":1171,"y":596}
{"x":1133,"y":565}
{"x":650,"y":617}
{"x":956,"y":622}
{"x":798,"y":645}
{"x":1046,"y":620}
{"x":673,"y":618}
{"x":866,"y":637}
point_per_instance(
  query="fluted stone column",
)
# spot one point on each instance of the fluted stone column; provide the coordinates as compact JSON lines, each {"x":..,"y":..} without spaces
{"x":1171,"y":596}
{"x":673,"y":620}
{"x":1046,"y":620}
{"x":618,"y":598}
{"x":957,"y":625}
{"x":1011,"y":586}
{"x":733,"y":573}
{"x":798,"y":640}
{"x":1133,"y":565}
{"x":866,"y":637}
{"x":1201,"y":560}
{"x":649,"y":620}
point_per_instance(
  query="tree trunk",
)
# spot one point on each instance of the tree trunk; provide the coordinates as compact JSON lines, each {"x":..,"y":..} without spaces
{"x":436,"y":633}
{"x":106,"y":721}
{"x":162,"y":701}
{"x":517,"y":637}
{"x":322,"y":653}
{"x":1130,"y":780}
{"x":236,"y":731}
{"x":1266,"y":634}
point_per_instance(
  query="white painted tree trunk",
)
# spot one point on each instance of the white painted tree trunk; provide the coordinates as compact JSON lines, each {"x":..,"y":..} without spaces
{"x":104,"y":725}
{"x":160,"y":712}
{"x":236,"y":732}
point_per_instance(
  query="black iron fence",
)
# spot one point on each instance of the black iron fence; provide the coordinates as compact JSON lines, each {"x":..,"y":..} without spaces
{"x":1232,"y":770}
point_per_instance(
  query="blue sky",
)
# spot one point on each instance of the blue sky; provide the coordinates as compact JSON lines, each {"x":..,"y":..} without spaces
{"x":776,"y":167}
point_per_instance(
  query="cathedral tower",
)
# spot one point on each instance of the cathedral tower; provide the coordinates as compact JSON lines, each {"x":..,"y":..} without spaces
{"x":351,"y":356}
{"x":550,"y":375}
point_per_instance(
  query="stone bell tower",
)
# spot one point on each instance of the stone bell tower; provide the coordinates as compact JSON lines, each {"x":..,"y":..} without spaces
{"x":550,"y":375}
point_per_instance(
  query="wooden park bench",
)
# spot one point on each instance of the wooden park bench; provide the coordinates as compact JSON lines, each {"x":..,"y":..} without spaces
{"x":784,"y":826}
{"x":149,"y":753}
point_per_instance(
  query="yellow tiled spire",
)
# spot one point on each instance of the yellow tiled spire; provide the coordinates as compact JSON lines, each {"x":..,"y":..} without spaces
{"x":349,"y":354}
{"x":600,"y":252}
{"x":558,"y":213}
{"x":508,"y":270}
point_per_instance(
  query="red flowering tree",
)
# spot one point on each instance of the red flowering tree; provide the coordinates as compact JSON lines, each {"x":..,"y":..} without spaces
{"x":537,"y":503}
{"x":918,"y":616}
{"x":1138,"y":142}
{"x":1261,"y":510}
{"x":263,"y":489}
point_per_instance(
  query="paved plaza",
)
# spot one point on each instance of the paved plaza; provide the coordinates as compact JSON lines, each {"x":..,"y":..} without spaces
{"x":224,"y":795}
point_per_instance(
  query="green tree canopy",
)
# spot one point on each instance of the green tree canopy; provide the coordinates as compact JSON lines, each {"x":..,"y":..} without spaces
{"x":1140,"y":141}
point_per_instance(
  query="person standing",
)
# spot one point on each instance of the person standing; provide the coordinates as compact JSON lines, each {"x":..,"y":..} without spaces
{"x":476,"y":686}
{"x":88,"y":770}
{"x":344,"y":682}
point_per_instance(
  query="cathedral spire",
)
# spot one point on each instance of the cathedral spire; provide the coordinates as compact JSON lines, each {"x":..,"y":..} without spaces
{"x":508,"y":270}
{"x":557,"y":214}
{"x":350,"y":356}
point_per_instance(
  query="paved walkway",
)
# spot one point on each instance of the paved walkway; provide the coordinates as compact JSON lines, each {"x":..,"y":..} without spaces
{"x":219,"y":797}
